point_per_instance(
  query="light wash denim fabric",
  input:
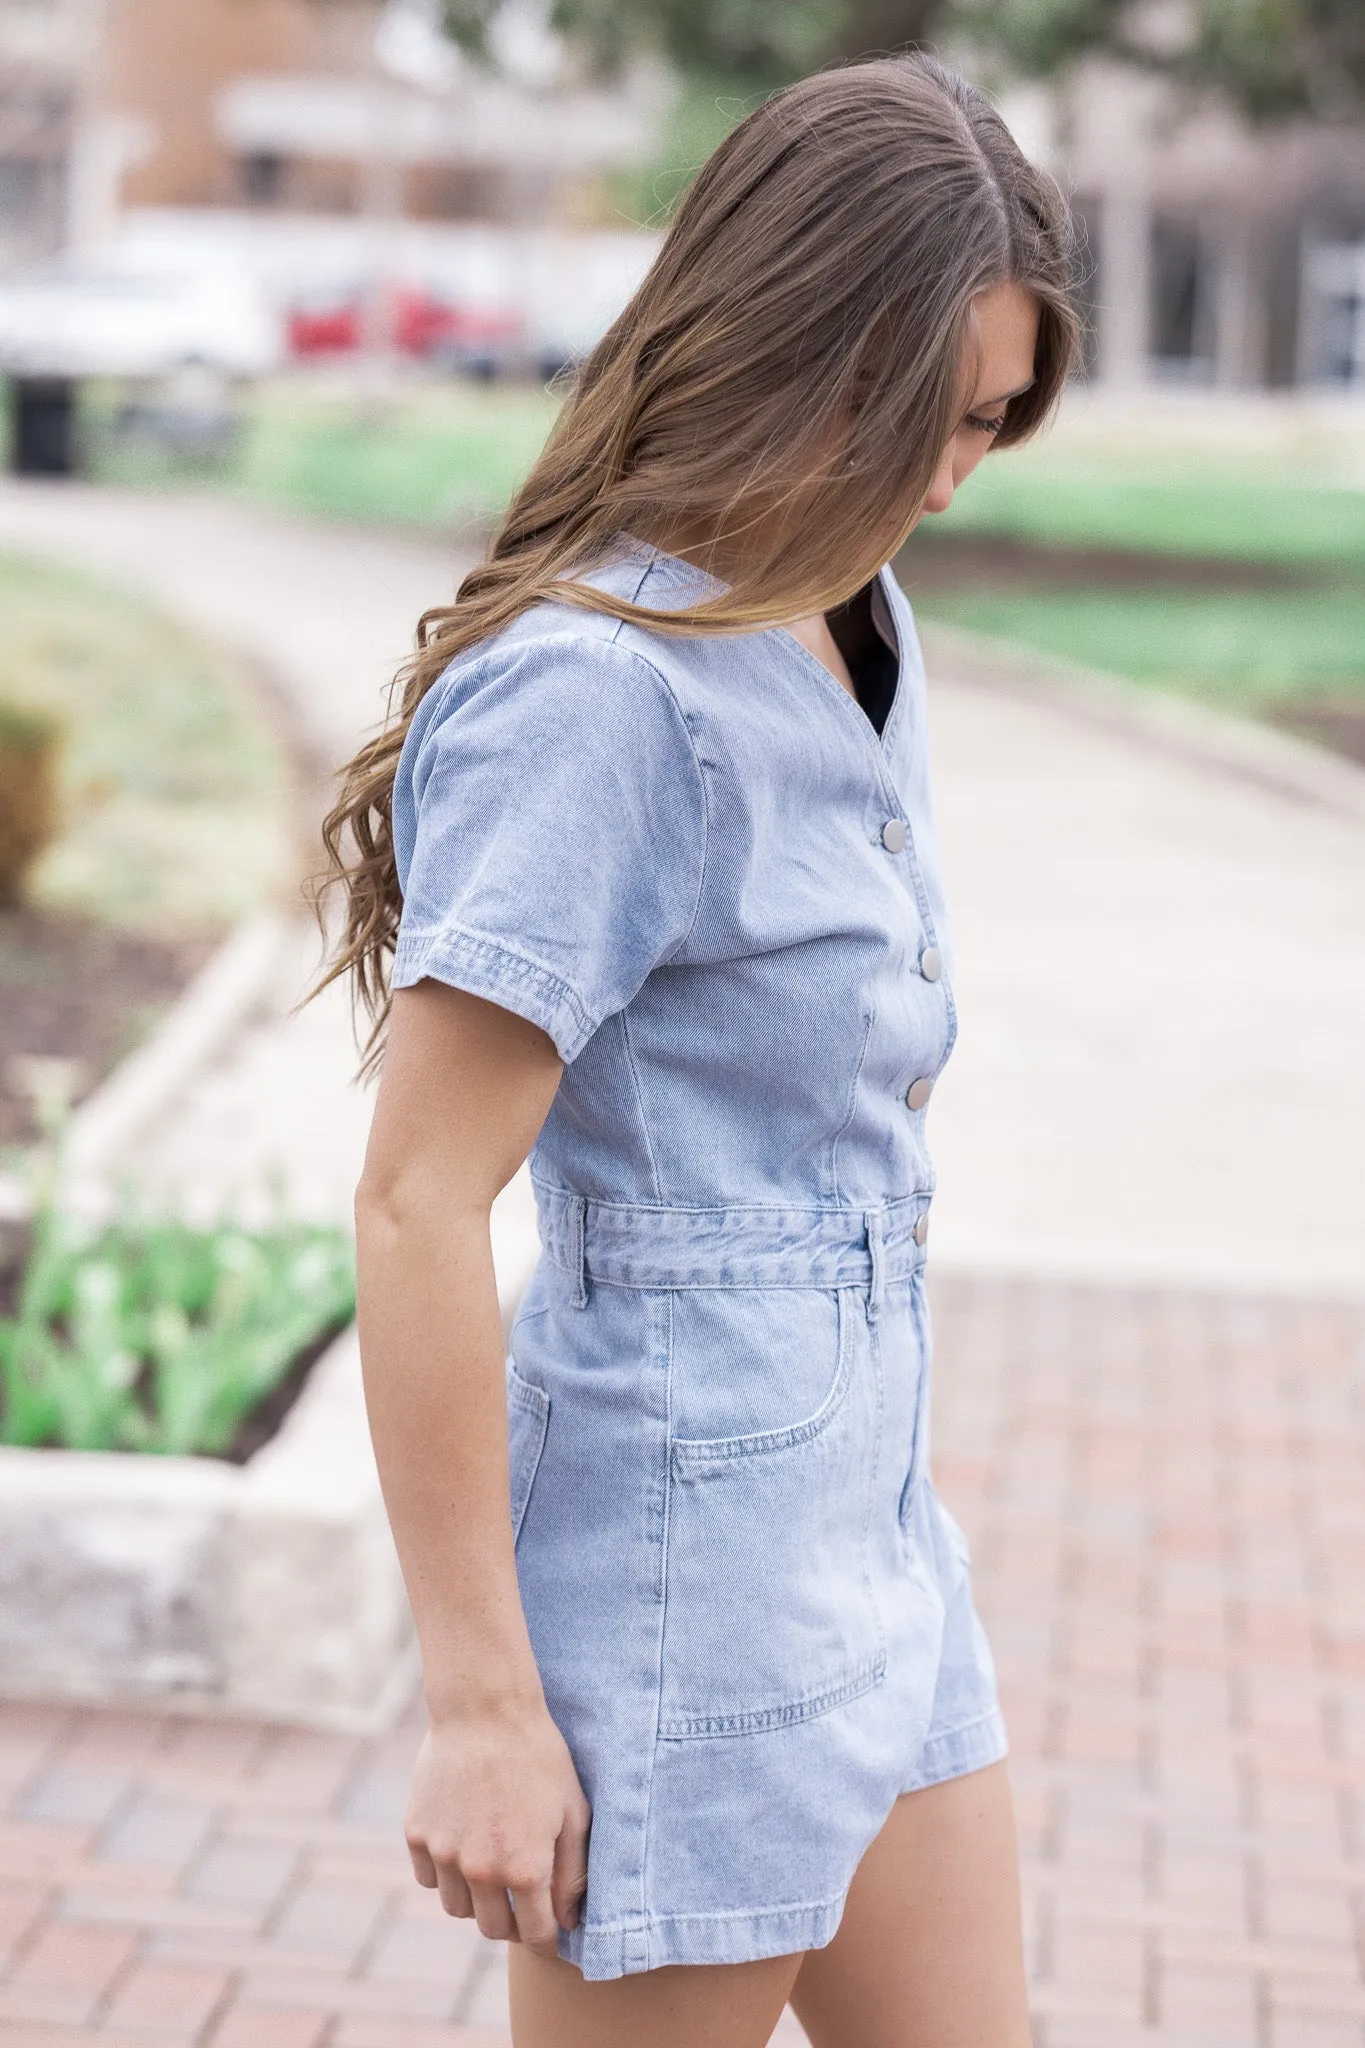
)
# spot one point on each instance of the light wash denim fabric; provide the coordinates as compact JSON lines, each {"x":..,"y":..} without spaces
{"x":696,"y":866}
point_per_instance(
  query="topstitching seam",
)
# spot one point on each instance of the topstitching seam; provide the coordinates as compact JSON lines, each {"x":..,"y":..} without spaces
{"x":663,"y":1617}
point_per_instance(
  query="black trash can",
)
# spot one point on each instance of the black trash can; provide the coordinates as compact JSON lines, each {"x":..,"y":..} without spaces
{"x":42,"y":426}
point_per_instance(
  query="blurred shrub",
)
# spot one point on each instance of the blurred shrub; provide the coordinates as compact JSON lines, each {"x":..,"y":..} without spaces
{"x":170,"y":752}
{"x":30,"y":745}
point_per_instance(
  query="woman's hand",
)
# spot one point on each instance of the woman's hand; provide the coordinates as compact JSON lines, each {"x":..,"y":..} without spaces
{"x":496,"y":1808}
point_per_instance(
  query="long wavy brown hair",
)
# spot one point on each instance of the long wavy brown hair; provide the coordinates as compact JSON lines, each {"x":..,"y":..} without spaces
{"x":801,"y":330}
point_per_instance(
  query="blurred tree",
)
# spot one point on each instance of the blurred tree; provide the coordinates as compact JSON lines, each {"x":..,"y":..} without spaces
{"x":1285,"y":56}
{"x":870,"y":26}
{"x":467,"y":22}
{"x":760,"y":39}
{"x":1274,"y":58}
{"x":766,"y":39}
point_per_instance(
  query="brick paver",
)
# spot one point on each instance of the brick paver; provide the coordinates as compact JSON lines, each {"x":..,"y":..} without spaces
{"x":1164,"y":1497}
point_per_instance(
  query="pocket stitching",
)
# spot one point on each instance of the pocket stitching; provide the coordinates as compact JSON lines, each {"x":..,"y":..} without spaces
{"x":694,"y":1455}
{"x":684,"y":1727}
{"x":534,"y":1402}
{"x":918,"y":1472}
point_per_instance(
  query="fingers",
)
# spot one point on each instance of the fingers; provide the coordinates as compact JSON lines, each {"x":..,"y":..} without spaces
{"x":513,"y":1881}
{"x":525,"y":1915}
{"x":569,"y":1878}
{"x":444,"y":1877}
{"x":536,"y":1923}
{"x":455,"y":1894}
{"x":493,"y":1911}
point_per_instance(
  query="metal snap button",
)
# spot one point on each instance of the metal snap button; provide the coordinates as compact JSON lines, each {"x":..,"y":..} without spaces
{"x":918,"y":1093}
{"x":921,"y":1229}
{"x":931,"y":963}
{"x":893,"y":834}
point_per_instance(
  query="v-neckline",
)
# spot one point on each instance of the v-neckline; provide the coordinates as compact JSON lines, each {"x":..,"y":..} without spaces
{"x":850,"y":689}
{"x":827,"y":676}
{"x":661,"y":556}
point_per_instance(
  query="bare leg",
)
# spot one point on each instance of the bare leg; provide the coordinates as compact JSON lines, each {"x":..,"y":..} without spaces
{"x":929,"y":1953}
{"x":733,"y":2005}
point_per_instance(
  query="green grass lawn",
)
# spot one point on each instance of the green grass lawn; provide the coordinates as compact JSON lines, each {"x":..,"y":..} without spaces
{"x":436,"y":459}
{"x":175,"y":788}
{"x":433,"y":456}
{"x":1232,"y":509}
{"x":1246,"y":650}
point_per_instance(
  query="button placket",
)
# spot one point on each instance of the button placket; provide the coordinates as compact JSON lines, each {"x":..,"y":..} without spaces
{"x":929,"y":965}
{"x":896,"y":838}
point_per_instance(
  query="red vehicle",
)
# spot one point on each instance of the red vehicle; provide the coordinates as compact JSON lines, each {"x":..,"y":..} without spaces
{"x":421,"y":324}
{"x":325,"y":325}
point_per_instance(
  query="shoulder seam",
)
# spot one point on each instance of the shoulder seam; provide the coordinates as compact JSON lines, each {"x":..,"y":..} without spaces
{"x":672,"y":695}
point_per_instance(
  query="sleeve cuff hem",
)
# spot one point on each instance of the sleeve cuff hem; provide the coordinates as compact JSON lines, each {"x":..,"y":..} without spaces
{"x":484,"y":968}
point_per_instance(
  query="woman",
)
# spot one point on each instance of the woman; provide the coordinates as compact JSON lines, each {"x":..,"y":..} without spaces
{"x":652,"y":840}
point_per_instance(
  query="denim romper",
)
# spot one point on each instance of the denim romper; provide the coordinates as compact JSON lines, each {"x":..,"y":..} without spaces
{"x":693,"y":863}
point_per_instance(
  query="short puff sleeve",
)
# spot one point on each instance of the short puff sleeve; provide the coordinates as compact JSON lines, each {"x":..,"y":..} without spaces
{"x":549,"y":823}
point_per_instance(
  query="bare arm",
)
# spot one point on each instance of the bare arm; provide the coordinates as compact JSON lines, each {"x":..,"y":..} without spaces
{"x":496,"y":1805}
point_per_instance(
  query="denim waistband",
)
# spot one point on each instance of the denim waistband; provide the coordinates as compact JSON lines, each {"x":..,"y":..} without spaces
{"x":636,"y":1246}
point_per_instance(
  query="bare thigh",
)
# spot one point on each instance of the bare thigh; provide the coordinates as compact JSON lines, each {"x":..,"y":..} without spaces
{"x":929,"y":1951}
{"x":730,"y":2005}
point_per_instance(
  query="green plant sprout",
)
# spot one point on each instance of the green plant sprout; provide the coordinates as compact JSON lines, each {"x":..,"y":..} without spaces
{"x":157,"y":1337}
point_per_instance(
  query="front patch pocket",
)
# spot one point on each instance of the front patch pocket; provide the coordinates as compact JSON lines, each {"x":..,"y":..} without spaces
{"x":528,"y":1418}
{"x":769,"y":1615}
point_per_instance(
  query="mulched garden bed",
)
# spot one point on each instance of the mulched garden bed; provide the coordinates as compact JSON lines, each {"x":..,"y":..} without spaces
{"x":265,"y":1421}
{"x":71,"y":988}
{"x":943,"y":561}
{"x":1339,"y":726}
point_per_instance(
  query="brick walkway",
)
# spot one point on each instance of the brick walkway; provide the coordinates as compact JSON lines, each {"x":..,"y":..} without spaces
{"x":1165,"y":1498}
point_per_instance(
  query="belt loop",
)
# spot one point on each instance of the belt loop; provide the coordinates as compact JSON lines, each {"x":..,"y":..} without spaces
{"x":578,"y":1258}
{"x":873,"y":1219}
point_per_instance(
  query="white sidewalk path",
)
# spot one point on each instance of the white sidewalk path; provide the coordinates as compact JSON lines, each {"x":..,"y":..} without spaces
{"x":1161,"y":1066}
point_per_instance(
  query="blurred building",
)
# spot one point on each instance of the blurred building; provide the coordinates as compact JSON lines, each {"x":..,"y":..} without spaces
{"x":340,"y":159}
{"x":342,"y":106}
{"x":316,"y":106}
{"x":1220,"y":255}
{"x":46,"y":48}
{"x":165,"y":63}
{"x":308,"y":130}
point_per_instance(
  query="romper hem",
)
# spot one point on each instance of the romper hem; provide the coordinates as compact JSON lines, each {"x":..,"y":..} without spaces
{"x":747,"y":1936}
{"x":960,"y":1751}
{"x":752,"y":1935}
